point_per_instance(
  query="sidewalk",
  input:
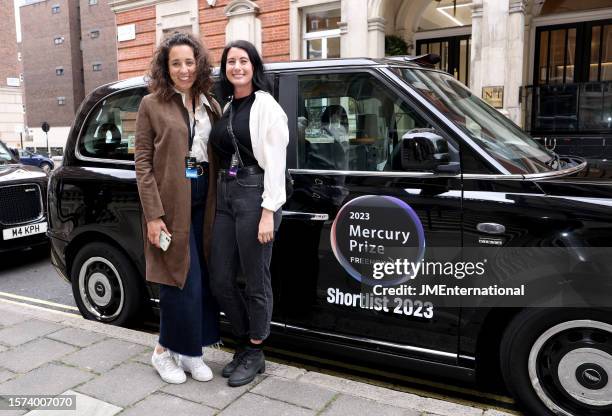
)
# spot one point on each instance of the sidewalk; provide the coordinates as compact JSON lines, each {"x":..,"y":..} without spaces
{"x":108,"y":369}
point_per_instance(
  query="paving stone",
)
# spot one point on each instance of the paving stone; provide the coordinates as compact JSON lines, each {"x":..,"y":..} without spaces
{"x":124,"y":385}
{"x":444,"y":408}
{"x":10,"y":318}
{"x":50,"y":379}
{"x":159,"y":404}
{"x":346,"y":405}
{"x":253,"y":404}
{"x":13,"y":412}
{"x":85,"y":406}
{"x":125,"y":334}
{"x":104,"y":355}
{"x":26,"y":331}
{"x":384,"y":395}
{"x":144,"y":358}
{"x":295,"y":392}
{"x":284,"y":371}
{"x":76,"y":336}
{"x":493,"y":412}
{"x":33,"y":354}
{"x":5,"y":375}
{"x":214,"y":393}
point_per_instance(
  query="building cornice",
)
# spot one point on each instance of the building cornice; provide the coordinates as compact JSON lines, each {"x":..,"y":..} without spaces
{"x":240,"y":7}
{"x":517,"y":6}
{"x":118,"y":6}
{"x":477,"y":9}
{"x":377,"y":23}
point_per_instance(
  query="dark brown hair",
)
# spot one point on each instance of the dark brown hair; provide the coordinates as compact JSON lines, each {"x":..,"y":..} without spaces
{"x":160,"y":82}
{"x":260,"y":81}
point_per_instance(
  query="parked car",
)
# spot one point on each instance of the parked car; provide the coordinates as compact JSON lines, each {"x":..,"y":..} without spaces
{"x":34,"y":159}
{"x":23,"y":190}
{"x":390,"y":160}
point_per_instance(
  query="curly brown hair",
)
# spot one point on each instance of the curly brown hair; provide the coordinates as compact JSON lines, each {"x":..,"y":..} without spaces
{"x":160,"y":82}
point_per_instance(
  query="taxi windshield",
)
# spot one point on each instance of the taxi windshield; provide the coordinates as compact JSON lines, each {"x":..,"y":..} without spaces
{"x":492,"y":131}
{"x":5,"y":154}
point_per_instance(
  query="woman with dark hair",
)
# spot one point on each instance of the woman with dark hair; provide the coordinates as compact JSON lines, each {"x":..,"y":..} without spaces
{"x":250,"y":141}
{"x":172,"y":172}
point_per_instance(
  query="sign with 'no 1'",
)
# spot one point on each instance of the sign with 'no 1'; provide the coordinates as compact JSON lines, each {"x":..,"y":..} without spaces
{"x":494,"y":96}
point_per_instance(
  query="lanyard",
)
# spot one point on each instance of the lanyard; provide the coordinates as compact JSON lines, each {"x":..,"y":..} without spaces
{"x":190,"y":127}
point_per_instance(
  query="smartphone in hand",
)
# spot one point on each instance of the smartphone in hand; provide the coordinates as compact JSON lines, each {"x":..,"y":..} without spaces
{"x":164,"y":240}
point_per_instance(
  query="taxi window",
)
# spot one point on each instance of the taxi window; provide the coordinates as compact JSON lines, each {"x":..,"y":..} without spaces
{"x":110,"y":130}
{"x":351,"y":122}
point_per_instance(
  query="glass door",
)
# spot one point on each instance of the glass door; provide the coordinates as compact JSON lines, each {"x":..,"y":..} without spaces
{"x":454,"y":54}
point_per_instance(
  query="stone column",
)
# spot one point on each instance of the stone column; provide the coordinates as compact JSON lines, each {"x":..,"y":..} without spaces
{"x":476,"y":48}
{"x":514,"y":58}
{"x":354,"y":28}
{"x":243,"y":23}
{"x":376,"y":37}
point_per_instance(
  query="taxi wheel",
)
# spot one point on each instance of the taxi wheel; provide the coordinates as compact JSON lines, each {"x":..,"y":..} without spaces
{"x":559,"y":361}
{"x":105,"y":285}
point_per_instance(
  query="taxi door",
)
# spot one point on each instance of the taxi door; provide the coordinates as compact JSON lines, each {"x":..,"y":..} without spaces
{"x":346,"y":127}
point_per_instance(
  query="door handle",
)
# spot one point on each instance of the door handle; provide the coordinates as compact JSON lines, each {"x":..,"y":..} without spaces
{"x":491,"y":228}
{"x":311,"y":216}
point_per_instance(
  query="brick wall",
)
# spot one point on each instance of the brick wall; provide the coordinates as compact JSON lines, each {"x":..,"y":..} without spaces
{"x":101,"y":50}
{"x":8,"y":43}
{"x":134,"y":56}
{"x":274,"y":16}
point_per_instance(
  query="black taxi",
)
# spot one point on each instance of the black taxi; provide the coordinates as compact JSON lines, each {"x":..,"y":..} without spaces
{"x":426,"y":232}
{"x":23,"y":210}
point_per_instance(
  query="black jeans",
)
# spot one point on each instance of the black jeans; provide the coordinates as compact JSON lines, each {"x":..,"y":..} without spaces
{"x":234,"y":245}
{"x":189,"y":318}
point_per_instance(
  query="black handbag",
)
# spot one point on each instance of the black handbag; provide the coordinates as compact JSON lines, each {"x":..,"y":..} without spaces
{"x":238,"y":146}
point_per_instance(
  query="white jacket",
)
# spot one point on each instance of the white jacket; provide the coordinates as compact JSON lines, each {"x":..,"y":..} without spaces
{"x":269,"y":138}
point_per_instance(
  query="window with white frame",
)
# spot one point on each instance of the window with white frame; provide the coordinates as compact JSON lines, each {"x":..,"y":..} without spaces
{"x":321,"y":32}
{"x":61,"y":100}
{"x":94,"y":33}
{"x":58,"y":40}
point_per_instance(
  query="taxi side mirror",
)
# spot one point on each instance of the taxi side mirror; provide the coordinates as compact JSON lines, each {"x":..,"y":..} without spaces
{"x":424,"y":149}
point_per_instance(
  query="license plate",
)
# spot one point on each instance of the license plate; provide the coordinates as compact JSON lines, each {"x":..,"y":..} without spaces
{"x":24,"y":231}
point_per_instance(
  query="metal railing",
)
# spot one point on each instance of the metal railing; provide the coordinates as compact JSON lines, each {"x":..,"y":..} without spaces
{"x":580,"y":108}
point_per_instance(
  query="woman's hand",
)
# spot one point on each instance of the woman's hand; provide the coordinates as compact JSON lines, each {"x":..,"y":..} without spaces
{"x":266,"y":226}
{"x":154,"y":228}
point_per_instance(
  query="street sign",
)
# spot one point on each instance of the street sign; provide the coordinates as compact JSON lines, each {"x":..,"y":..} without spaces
{"x":45,"y":127}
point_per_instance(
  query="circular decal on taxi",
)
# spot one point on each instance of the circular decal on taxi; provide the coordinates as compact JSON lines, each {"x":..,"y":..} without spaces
{"x":377,"y":239}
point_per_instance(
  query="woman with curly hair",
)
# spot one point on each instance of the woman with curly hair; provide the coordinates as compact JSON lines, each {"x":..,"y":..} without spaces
{"x":172,"y":171}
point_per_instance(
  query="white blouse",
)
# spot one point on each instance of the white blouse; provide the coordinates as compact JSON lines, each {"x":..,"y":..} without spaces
{"x":202,"y":128}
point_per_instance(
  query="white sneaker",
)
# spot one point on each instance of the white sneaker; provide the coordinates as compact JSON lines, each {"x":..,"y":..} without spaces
{"x":167,"y":368}
{"x":196,"y":367}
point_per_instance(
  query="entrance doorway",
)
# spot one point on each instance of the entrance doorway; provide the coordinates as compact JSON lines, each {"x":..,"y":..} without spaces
{"x":570,"y":100}
{"x":454,"y":54}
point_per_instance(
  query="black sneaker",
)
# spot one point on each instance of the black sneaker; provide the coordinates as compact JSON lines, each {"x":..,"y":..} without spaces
{"x":251,"y":363}
{"x":232,"y":365}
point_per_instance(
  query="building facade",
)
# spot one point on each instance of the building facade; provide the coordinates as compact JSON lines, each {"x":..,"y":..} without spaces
{"x":68,"y":49}
{"x":99,"y":43}
{"x":11,"y":93}
{"x":546,"y":64}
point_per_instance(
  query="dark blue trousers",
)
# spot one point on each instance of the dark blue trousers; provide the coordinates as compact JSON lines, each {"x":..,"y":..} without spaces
{"x":189,"y":318}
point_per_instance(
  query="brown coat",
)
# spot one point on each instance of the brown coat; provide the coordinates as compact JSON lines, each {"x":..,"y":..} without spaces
{"x":161,"y":147}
